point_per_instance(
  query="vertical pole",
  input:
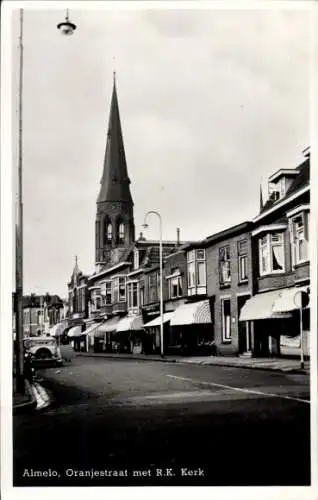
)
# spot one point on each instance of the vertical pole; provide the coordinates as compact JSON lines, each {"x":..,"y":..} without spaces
{"x":19,"y":232}
{"x":301,"y":339}
{"x":247,"y":336}
{"x":161,"y":293}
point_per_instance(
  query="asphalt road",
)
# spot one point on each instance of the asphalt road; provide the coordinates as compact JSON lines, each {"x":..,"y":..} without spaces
{"x":128,"y":421}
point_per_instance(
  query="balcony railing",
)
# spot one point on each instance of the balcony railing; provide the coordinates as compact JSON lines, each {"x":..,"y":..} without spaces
{"x":119,"y":307}
{"x":107,"y":309}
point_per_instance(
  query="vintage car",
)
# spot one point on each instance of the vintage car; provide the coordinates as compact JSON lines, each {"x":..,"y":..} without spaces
{"x":44,"y":350}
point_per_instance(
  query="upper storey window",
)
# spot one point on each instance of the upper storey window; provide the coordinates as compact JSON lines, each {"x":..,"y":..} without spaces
{"x":196,"y":267}
{"x":299,"y":234}
{"x":271,"y":253}
{"x":225,"y":265}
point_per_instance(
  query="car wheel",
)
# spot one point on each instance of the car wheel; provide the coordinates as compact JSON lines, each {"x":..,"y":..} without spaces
{"x":43,"y":354}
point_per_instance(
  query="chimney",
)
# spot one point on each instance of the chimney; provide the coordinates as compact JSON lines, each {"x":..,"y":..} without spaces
{"x":178,"y":236}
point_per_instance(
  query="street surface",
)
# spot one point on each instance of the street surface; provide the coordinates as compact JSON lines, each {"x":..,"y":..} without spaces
{"x":125,"y":422}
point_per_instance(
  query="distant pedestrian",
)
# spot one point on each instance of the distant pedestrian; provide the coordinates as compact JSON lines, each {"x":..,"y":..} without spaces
{"x":67,"y":352}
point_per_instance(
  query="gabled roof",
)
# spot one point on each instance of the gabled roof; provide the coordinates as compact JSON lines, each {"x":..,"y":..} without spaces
{"x":115,"y":181}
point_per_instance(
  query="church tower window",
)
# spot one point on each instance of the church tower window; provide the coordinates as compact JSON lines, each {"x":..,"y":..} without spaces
{"x":121,"y":233}
{"x":109,"y":232}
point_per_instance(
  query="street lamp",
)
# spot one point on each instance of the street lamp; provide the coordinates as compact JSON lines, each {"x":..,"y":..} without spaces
{"x":145,"y":225}
{"x":66,"y":27}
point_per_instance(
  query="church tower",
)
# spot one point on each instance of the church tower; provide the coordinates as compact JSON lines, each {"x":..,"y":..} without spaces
{"x":114,"y":226}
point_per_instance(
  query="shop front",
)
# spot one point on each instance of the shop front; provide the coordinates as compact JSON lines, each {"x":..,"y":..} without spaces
{"x":78,"y":338}
{"x":152,"y":342}
{"x":105,"y":335}
{"x":130,"y":334}
{"x":274,"y":322}
{"x":191,"y":328}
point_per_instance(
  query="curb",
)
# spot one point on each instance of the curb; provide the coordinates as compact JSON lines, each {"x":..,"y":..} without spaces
{"x":28,"y":406}
{"x":295,"y":371}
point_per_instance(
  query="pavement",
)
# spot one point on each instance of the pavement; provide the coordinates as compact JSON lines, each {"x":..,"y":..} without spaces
{"x":121,"y":422}
{"x":35,"y":397}
{"x":277,"y":364}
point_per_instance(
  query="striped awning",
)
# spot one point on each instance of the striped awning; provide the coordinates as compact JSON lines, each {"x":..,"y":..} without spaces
{"x":286,"y":301}
{"x":91,"y":329}
{"x":106,"y":327}
{"x":156,"y":322}
{"x":261,"y":306}
{"x":58,"y":329}
{"x":192,"y":313}
{"x":76,"y":331}
{"x":129,"y":323}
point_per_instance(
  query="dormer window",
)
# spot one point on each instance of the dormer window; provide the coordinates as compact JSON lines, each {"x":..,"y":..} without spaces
{"x":280,"y":182}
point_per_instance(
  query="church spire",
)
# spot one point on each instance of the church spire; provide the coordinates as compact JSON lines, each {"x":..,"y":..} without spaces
{"x":114,"y":224}
{"x":115,"y":181}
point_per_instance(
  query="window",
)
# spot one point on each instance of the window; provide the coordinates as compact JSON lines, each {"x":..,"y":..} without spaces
{"x":136,"y":258}
{"x":142,"y":295}
{"x":109,"y":232}
{"x":299,"y":238}
{"x":271,"y":253}
{"x":242,"y":259}
{"x":226,"y":320}
{"x":225,"y":265}
{"x":121,"y":232}
{"x":196,"y":268}
{"x":153,"y":287}
{"x":108,"y":292}
{"x":132,"y":289}
{"x":119,"y":289}
{"x":96,"y":299}
{"x":175,"y":284}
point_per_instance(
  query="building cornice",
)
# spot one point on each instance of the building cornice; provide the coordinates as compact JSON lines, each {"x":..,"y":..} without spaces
{"x":109,"y":270}
{"x":297,"y":210}
{"x":282,"y":203}
{"x":269,"y":228}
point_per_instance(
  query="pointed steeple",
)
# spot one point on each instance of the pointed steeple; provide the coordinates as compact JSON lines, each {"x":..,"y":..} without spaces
{"x":76,"y":271}
{"x":115,"y":181}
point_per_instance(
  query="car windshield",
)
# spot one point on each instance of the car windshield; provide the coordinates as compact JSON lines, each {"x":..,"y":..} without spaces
{"x":43,"y":341}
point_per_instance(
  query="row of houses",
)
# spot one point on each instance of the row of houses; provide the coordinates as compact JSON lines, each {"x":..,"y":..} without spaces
{"x":232,"y":293}
{"x":40,"y":313}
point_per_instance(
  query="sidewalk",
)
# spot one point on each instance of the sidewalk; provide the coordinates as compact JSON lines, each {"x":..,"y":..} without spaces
{"x":23,"y":402}
{"x":274,"y":364}
{"x":34,"y":398}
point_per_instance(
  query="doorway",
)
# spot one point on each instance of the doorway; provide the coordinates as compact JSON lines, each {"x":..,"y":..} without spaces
{"x":244,"y":333}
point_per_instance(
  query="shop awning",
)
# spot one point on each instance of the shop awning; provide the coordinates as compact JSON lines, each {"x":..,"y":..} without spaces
{"x":285,"y":302}
{"x":129,"y":323}
{"x":261,"y":306}
{"x":157,"y":321}
{"x":192,"y":313}
{"x":106,"y":327}
{"x":91,"y":329}
{"x":76,"y":331}
{"x":58,"y":329}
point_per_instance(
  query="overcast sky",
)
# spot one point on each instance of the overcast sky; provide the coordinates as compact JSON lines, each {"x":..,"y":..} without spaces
{"x":211,"y":101}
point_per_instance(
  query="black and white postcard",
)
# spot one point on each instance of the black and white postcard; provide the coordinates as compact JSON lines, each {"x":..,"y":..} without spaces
{"x":158,"y":264}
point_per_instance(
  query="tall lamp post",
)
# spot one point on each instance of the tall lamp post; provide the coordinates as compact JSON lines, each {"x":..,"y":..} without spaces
{"x":66,"y":28}
{"x":145,"y":225}
{"x":19,"y":232}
